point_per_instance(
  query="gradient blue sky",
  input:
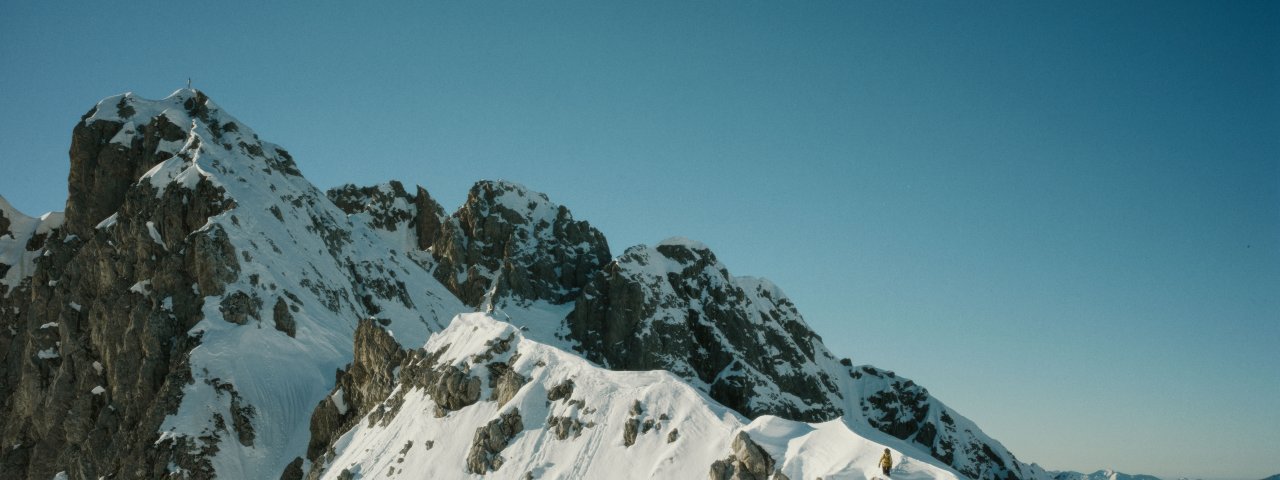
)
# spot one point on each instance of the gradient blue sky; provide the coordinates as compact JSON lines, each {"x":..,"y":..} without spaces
{"x":1063,"y":218}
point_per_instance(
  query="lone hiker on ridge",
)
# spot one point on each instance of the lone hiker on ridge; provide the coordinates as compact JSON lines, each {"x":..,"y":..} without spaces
{"x":886,"y":463}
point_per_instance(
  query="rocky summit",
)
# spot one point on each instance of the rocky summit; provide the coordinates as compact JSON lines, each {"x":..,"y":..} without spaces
{"x":203,"y":311}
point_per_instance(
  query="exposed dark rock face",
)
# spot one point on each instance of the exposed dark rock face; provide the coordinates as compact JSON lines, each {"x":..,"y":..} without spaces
{"x":516,"y":244}
{"x":368,"y":381}
{"x":379,"y":202}
{"x":365,"y":388}
{"x":283,"y":318}
{"x":902,"y":408}
{"x":96,"y":357}
{"x":241,"y":413}
{"x":293,"y":471}
{"x":564,"y":427}
{"x":632,"y":426}
{"x":429,"y":219}
{"x":98,"y":337}
{"x":562,"y":391}
{"x":102,"y":171}
{"x":4,"y":226}
{"x":453,"y":389}
{"x":504,"y":382}
{"x":638,"y":423}
{"x":747,"y":462}
{"x":675,"y":307}
{"x":505,"y":243}
{"x":390,"y":208}
{"x":486,"y":447}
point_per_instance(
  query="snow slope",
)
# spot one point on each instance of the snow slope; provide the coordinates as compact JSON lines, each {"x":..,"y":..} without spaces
{"x":680,"y":432}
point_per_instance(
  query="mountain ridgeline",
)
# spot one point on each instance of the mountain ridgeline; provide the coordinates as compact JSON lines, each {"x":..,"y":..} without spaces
{"x":186,"y":316}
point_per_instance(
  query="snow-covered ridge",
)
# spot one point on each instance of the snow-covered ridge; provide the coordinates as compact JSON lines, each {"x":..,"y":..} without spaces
{"x":575,"y":420}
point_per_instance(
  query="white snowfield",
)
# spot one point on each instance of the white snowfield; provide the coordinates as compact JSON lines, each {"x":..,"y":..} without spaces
{"x":704,"y":429}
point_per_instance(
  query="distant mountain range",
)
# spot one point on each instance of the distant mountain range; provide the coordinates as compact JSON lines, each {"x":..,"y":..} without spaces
{"x":1100,"y":475}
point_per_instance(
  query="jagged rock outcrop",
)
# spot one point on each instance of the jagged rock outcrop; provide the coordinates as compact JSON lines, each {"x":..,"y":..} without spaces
{"x":108,"y":306}
{"x":104,"y":165}
{"x":27,"y":352}
{"x":675,"y":307}
{"x":902,"y":408}
{"x":747,"y":462}
{"x":507,"y":242}
{"x":368,"y":380}
{"x":374,"y":387}
{"x":389,"y":207}
{"x":489,"y":440}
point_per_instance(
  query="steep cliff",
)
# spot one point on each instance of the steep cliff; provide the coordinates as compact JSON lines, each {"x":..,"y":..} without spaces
{"x":509,"y":242}
{"x":675,"y":307}
{"x":195,"y":304}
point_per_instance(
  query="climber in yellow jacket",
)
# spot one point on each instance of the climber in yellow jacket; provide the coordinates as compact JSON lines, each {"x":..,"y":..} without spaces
{"x":886,"y":463}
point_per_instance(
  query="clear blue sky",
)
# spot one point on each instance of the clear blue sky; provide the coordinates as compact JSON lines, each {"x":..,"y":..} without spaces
{"x":1061,"y":217}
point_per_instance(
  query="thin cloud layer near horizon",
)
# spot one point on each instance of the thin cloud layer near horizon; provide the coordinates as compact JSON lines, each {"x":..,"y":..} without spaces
{"x":1061,"y":218}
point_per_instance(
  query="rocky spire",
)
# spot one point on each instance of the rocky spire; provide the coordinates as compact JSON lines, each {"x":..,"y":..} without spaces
{"x":507,"y":242}
{"x":676,"y":307}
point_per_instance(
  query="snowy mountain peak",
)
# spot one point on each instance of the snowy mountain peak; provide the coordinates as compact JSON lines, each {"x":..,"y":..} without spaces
{"x":517,"y":203}
{"x":243,"y":288}
{"x":184,"y":139}
{"x":219,"y":259}
{"x":179,"y":107}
